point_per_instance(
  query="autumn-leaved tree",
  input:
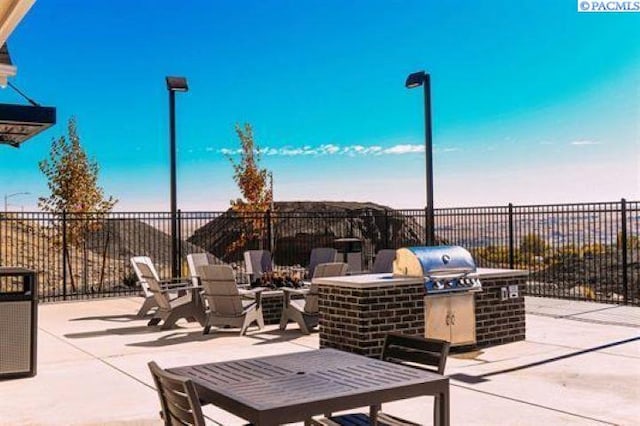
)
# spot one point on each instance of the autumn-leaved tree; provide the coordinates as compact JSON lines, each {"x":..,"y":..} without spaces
{"x":252,"y":180}
{"x":73,"y":184}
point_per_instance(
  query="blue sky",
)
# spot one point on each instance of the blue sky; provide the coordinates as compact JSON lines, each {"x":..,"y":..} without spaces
{"x":533,"y":102}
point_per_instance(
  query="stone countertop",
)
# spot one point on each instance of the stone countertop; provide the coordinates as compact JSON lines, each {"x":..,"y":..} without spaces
{"x":368,"y":280}
{"x":484,"y":273}
{"x":378,"y":280}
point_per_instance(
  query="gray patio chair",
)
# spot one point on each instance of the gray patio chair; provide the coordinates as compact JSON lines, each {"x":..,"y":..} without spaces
{"x":418,"y":352}
{"x":383,"y":262}
{"x":171,"y":310}
{"x":305,"y":312}
{"x":149,"y":300}
{"x":194,"y":261}
{"x":257,"y":262}
{"x":226,"y":304}
{"x":178,"y":398}
{"x":321,"y":255}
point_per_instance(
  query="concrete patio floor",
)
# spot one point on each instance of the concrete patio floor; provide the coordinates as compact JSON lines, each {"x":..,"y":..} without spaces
{"x":580,"y":365}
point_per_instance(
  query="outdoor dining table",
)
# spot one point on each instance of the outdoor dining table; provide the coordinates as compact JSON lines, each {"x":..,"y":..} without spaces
{"x":279,"y":389}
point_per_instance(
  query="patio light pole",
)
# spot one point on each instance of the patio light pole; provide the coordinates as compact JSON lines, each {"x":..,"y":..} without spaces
{"x":423,"y":79}
{"x":174,"y":84}
{"x":7,"y":196}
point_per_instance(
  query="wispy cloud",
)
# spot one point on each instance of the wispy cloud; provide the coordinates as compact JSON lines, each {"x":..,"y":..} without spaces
{"x":344,"y":150}
{"x":584,"y":143}
{"x":357,"y":150}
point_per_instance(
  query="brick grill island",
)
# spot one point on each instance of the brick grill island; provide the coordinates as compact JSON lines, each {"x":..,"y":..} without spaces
{"x":499,"y":321}
{"x":357,"y":311}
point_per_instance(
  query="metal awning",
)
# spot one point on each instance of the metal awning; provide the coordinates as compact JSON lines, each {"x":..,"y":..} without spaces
{"x":20,"y":122}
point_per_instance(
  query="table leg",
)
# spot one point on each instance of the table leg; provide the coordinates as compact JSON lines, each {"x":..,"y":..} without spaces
{"x":441,"y":409}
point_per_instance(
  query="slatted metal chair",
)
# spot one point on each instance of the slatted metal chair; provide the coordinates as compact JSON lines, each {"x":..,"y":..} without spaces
{"x":321,"y":255}
{"x":305,"y":312}
{"x":413,"y":351}
{"x":226,"y":304}
{"x":170,"y":309}
{"x":383,"y":262}
{"x":178,"y":398}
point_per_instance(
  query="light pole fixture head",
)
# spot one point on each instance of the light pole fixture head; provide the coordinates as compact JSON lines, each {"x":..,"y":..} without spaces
{"x":415,"y":79}
{"x":177,"y":84}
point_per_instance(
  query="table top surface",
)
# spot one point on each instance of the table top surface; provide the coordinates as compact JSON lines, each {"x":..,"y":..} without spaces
{"x":291,"y":380}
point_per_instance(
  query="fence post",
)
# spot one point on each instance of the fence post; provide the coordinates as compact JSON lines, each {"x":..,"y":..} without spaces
{"x":64,"y":255}
{"x":511,"y":238}
{"x":426,"y":225}
{"x":179,"y":242}
{"x":623,"y":242}
{"x":386,"y":228}
{"x":267,"y":219}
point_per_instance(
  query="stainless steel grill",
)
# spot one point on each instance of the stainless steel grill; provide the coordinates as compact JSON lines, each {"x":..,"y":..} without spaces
{"x":445,"y":268}
{"x":449,"y":305}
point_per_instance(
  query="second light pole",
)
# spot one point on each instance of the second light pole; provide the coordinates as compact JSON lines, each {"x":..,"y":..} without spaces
{"x":174,"y":84}
{"x":423,"y":79}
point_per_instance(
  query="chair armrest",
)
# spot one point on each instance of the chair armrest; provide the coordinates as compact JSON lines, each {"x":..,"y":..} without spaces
{"x":288,"y":292}
{"x":163,"y":285}
{"x":257,"y":294}
{"x":302,"y":291}
{"x":175,"y":288}
{"x":172,"y":281}
{"x":252,"y":291}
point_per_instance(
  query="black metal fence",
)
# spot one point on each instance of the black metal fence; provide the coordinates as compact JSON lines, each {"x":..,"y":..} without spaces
{"x":577,"y":251}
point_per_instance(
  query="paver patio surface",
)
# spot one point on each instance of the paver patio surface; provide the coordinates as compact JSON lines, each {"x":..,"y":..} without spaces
{"x":579,"y":365}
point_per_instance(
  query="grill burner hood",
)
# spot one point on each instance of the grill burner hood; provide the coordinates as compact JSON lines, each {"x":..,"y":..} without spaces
{"x":444,"y":268}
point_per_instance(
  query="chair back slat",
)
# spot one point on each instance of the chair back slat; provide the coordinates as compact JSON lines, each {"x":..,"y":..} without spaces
{"x":135,"y":261}
{"x":257,"y":262}
{"x":147,"y":276}
{"x":323,"y":270}
{"x":321,"y":255}
{"x":194,"y":261}
{"x":383,"y":262}
{"x":413,"y":349}
{"x":220,"y":290}
{"x":178,"y":398}
{"x":330,"y":269}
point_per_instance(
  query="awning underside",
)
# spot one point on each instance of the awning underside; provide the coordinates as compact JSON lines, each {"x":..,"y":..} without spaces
{"x":21,"y":122}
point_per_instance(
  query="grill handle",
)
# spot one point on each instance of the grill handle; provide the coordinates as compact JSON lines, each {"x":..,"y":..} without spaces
{"x":457,"y":276}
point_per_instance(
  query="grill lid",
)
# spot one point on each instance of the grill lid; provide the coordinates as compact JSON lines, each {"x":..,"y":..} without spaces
{"x":435,"y":261}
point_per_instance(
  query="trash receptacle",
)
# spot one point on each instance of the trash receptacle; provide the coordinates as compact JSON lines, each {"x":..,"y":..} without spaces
{"x":350,"y":252}
{"x":18,"y":322}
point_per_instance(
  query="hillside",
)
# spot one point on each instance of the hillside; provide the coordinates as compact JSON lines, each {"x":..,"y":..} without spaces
{"x":102,"y":264}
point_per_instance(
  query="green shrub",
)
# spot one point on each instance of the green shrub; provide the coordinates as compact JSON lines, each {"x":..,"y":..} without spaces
{"x":533,"y":245}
